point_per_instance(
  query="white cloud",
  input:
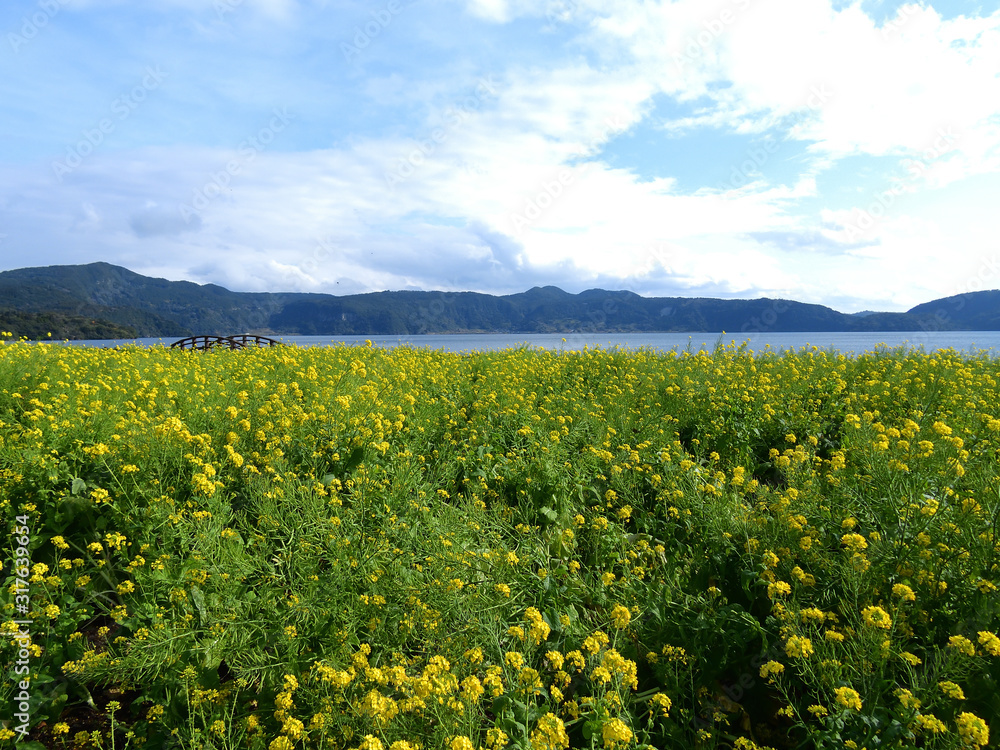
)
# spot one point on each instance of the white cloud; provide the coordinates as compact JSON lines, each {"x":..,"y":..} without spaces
{"x":491,"y":10}
{"x":889,"y":90}
{"x":455,"y":199}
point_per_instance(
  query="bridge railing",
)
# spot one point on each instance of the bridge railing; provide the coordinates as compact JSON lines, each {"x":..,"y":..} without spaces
{"x":239,"y":341}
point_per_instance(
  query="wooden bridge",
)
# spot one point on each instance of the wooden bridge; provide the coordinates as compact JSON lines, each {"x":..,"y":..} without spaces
{"x":239,"y":341}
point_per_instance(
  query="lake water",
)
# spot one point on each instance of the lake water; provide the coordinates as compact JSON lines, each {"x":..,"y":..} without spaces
{"x":848,"y":343}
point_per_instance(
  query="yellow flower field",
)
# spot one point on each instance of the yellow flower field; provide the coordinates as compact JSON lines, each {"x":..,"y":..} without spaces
{"x":369,"y":549}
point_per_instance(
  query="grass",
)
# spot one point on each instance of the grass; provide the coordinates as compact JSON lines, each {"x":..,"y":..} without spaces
{"x":351,"y":547}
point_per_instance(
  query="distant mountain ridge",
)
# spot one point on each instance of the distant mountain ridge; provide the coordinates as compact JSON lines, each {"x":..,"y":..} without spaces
{"x":115,"y":297}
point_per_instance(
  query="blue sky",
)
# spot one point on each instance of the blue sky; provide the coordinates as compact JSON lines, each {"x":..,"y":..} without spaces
{"x":834,"y":152}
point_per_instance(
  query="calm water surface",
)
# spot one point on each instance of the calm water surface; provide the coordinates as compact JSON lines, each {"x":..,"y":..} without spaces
{"x":848,"y":343}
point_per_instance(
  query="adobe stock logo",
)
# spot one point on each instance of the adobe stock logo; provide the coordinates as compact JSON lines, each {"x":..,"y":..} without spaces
{"x":865,"y":219}
{"x":697,"y":46}
{"x":31,"y":25}
{"x":425,"y":149}
{"x":536,"y":205}
{"x":123,"y":106}
{"x":363,"y":35}
{"x":248,"y":150}
{"x":561,"y":11}
{"x":904,"y":12}
{"x":224,"y":7}
{"x":549,"y":191}
{"x":745,"y":172}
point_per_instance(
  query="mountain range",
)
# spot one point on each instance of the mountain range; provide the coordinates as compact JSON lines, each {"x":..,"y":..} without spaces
{"x":100,"y":300}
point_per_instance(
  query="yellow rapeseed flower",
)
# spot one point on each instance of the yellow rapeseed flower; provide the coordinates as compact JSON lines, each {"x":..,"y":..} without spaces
{"x":799,"y":646}
{"x":661,"y":702}
{"x":876,"y":617}
{"x":555,"y":659}
{"x":772,"y":668}
{"x":904,"y":592}
{"x":620,"y":617}
{"x":952,"y":690}
{"x":962,"y":644}
{"x":496,"y":738}
{"x":539,"y":629}
{"x":472,"y":689}
{"x":549,"y":734}
{"x":908,"y":700}
{"x":989,"y":642}
{"x":931,"y":723}
{"x":810,"y":614}
{"x":778,"y":588}
{"x":854,"y":542}
{"x":615,"y":732}
{"x":848,"y":698}
{"x":941,"y":428}
{"x":973,"y":730}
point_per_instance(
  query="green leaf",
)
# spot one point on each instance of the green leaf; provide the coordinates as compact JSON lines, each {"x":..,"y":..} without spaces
{"x":66,"y":512}
{"x":42,"y":679}
{"x":87,"y":696}
{"x":357,"y":455}
{"x":212,"y":657}
{"x":79,"y":486}
{"x":198,"y":598}
{"x":500,"y":704}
